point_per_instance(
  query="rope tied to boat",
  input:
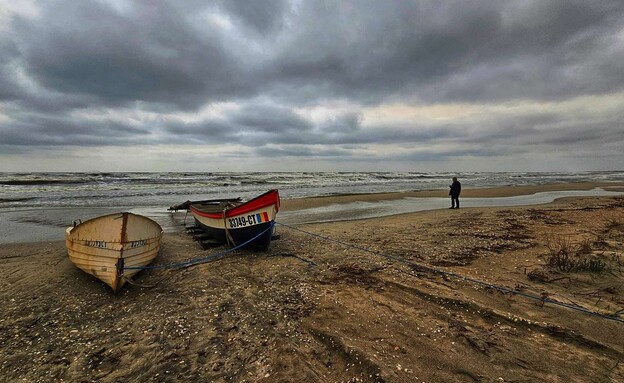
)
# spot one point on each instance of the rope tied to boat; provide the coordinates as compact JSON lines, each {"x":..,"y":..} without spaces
{"x":228,"y":235}
{"x":132,"y":282}
{"x":503,"y":289}
{"x":196,"y":261}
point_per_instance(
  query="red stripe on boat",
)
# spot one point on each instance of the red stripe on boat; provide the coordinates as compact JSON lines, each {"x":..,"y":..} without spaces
{"x":267,"y":199}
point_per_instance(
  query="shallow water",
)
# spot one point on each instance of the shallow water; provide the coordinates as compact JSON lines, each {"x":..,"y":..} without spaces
{"x":35,"y":225}
{"x":361,"y":210}
{"x":71,"y":190}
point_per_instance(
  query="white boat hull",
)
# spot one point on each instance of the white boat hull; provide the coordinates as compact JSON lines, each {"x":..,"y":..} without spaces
{"x":104,"y":246}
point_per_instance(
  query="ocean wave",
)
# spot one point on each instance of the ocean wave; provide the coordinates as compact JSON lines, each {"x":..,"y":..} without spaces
{"x":20,"y":190}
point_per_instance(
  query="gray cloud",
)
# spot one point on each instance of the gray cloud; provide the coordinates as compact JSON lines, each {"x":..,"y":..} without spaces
{"x":264,"y":17}
{"x":149,"y":54}
{"x":467,"y":51}
{"x":146,"y":66}
{"x":37,"y":130}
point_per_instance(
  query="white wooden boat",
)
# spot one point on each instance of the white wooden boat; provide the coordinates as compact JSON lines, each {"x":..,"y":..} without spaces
{"x":105,"y":245}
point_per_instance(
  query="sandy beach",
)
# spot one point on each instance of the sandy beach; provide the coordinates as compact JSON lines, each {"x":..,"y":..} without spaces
{"x":366,"y":307}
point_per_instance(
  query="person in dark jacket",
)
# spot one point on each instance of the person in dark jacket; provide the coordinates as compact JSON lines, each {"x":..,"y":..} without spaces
{"x":454,"y":193}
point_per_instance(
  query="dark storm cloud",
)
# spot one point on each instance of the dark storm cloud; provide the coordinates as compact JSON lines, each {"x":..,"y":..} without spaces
{"x":272,"y":59}
{"x":258,"y":124}
{"x":160,"y":52}
{"x":276,"y":119}
{"x":8,"y":54}
{"x":149,"y":54}
{"x":454,"y":51}
{"x":252,"y":125}
{"x":265,"y":16}
{"x":37,"y":130}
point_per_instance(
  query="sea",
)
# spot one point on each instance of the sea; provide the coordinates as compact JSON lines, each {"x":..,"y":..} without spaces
{"x":36,"y":206}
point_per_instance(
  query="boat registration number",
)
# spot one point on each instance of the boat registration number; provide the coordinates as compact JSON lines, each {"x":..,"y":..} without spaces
{"x":140,"y":243}
{"x":98,"y":244}
{"x":247,"y":220}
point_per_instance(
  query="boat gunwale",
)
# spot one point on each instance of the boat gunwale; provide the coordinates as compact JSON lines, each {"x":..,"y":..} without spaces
{"x":70,"y":229}
{"x":271,"y":197}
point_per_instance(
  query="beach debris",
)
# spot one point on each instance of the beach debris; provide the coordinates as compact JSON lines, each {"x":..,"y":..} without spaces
{"x":537,"y":276}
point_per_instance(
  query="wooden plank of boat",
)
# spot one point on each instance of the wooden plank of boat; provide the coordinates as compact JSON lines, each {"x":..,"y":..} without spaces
{"x":236,"y":222}
{"x":103,"y":246}
{"x":186,"y":204}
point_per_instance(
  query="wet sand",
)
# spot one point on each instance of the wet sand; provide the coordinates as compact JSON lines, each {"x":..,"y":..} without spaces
{"x":313,"y":310}
{"x":509,"y":191}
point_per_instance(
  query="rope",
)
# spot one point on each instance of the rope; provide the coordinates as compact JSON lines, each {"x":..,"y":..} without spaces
{"x":204,"y":259}
{"x":309,"y":262}
{"x":132,"y":282}
{"x":228,"y":236}
{"x":459,"y":276}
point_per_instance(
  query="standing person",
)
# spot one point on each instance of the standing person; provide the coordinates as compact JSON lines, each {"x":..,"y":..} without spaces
{"x":454,"y":193}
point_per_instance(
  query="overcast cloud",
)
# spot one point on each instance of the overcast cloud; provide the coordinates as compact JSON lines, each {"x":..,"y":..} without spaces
{"x":311,"y":85}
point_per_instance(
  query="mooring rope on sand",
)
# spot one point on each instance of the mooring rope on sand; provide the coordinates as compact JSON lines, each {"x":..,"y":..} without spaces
{"x":434,"y":270}
{"x":209,"y":258}
{"x":412,"y":264}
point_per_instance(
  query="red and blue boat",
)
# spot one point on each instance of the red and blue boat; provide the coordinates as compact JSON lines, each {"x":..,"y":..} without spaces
{"x":237,"y":223}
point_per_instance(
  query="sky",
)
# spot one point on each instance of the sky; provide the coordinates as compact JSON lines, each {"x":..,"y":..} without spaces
{"x":278,"y":85}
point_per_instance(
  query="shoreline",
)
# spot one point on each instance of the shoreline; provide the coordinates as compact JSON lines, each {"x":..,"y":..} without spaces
{"x":36,"y":225}
{"x":499,"y":191}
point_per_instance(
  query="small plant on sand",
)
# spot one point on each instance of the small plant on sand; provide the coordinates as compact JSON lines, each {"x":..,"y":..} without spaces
{"x":560,"y":254}
{"x":584,"y":248}
{"x":617,"y":263}
{"x":567,"y":256}
{"x":614,"y":224}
